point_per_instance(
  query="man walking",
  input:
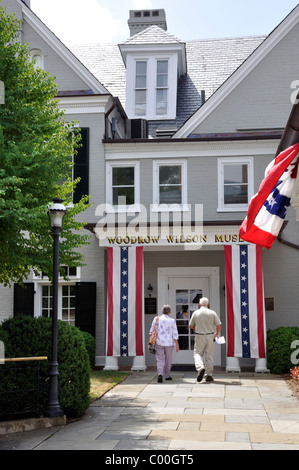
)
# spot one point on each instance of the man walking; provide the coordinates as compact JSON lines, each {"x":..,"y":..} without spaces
{"x":203,"y":323}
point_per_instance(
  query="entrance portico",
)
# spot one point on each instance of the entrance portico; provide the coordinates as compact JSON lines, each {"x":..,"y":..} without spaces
{"x":181,"y":272}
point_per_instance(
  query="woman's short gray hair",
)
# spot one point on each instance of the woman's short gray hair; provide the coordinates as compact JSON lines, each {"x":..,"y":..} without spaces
{"x":166,"y":309}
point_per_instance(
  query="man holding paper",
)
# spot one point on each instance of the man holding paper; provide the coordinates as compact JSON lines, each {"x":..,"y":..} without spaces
{"x":203,"y":323}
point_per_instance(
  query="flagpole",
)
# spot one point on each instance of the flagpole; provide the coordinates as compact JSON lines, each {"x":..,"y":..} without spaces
{"x":290,"y":134}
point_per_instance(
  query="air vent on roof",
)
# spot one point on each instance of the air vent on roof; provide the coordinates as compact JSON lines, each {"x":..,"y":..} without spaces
{"x":166,"y":133}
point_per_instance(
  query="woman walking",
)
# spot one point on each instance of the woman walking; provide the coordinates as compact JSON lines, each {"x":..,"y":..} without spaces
{"x":167,"y":336}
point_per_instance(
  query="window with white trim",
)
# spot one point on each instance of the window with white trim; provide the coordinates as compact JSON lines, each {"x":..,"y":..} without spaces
{"x":235,"y":183}
{"x":123,"y":186}
{"x":140,"y":87}
{"x":66,"y":294}
{"x":152,"y":86}
{"x":37,"y":58}
{"x":170,"y":184}
{"x":162,"y":88}
{"x":68,"y":297}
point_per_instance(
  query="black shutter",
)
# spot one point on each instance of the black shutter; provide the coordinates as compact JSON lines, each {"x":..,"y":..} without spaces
{"x":24,"y":299}
{"x":85,"y":316}
{"x":81,"y":166}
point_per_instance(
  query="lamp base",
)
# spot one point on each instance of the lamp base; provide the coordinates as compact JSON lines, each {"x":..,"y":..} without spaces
{"x":53,"y":411}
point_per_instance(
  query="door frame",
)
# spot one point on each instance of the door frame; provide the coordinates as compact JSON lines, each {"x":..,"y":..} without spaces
{"x":210,"y":272}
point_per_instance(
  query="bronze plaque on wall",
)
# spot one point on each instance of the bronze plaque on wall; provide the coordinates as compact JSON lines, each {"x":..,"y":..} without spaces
{"x":150,"y":306}
{"x":270,"y":304}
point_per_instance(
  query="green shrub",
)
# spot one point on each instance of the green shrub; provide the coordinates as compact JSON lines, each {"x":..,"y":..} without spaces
{"x":25,"y":337}
{"x":279,"y":349}
{"x":90,"y":344}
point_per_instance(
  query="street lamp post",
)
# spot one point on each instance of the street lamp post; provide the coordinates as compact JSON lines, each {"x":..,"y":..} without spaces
{"x":56,"y":213}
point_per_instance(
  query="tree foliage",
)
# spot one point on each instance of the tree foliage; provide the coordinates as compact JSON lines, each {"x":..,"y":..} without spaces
{"x":35,"y":163}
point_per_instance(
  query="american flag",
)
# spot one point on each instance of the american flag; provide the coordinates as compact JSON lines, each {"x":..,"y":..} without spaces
{"x":125,"y":301}
{"x":267,"y":209}
{"x":245,"y":301}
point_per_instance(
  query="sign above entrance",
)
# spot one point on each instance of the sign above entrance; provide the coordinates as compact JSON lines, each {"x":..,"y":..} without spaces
{"x":176,"y":236}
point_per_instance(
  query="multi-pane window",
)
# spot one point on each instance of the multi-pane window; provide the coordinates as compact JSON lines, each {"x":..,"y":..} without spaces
{"x":235,"y":183}
{"x":162,"y":87}
{"x":47,"y":301}
{"x":122,"y":189}
{"x":151,"y":91}
{"x":123,"y":184}
{"x":67,"y":299}
{"x":67,"y":271}
{"x":68,"y":304}
{"x":66,"y":295}
{"x":140,"y":88}
{"x":170,"y":184}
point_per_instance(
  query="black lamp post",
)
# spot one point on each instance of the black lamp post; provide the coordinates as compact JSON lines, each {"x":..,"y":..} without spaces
{"x":56,"y":215}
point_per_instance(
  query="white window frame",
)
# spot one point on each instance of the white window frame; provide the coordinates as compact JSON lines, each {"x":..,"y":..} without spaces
{"x":40,"y":281}
{"x":151,"y":85}
{"x":109,"y":192}
{"x":234,"y":161}
{"x":36,"y":53}
{"x":144,"y":89}
{"x":157,"y":207}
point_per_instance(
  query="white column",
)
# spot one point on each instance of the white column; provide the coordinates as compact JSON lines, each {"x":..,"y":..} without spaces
{"x":232,"y":364}
{"x":138,"y":363}
{"x":111,"y":363}
{"x":261,"y":365}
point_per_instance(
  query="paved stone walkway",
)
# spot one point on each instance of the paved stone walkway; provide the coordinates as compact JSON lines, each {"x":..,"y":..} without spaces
{"x":236,"y":412}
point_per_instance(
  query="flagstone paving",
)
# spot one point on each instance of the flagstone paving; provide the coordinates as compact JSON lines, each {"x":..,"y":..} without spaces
{"x":243,"y":411}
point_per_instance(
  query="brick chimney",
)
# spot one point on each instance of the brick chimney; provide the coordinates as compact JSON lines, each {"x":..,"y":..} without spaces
{"x":142,"y":19}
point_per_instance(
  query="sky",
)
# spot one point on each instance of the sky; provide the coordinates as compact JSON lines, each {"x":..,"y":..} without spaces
{"x":92,"y":21}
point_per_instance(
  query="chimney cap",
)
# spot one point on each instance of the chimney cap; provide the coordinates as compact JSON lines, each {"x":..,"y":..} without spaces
{"x":142,"y":19}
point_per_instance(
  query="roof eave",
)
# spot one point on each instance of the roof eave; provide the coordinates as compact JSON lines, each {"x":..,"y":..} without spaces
{"x":239,"y":74}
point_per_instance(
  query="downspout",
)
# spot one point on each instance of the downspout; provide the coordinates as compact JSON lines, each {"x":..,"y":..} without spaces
{"x":106,"y":118}
{"x":116,"y":104}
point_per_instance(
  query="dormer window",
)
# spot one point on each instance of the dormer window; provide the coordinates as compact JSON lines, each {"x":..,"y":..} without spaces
{"x":161,"y":88}
{"x":153,"y":94}
{"x":154,"y":61}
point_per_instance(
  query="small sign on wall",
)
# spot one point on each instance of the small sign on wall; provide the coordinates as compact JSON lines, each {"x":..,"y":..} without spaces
{"x":270,"y":304}
{"x":150,"y":306}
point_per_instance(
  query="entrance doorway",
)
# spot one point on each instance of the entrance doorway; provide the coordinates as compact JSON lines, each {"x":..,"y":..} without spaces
{"x":185,"y":294}
{"x":182,"y":289}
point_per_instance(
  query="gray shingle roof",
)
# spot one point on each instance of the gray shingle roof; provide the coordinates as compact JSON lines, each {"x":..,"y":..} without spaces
{"x":209,"y":63}
{"x":153,"y":35}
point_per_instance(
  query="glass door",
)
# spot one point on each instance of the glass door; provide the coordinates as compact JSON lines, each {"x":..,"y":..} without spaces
{"x":184,"y":296}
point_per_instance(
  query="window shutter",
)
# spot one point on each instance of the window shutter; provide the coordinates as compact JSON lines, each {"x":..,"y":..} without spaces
{"x":85,"y":317}
{"x":24,"y":299}
{"x":81,"y":166}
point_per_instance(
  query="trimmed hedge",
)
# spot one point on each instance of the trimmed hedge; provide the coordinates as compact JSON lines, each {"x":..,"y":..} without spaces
{"x":90,"y":344}
{"x":30,"y":337}
{"x":279,"y":349}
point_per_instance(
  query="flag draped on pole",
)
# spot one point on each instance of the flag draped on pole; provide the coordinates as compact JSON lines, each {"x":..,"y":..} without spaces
{"x":246,"y":328}
{"x":267,"y":209}
{"x":125,"y":301}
